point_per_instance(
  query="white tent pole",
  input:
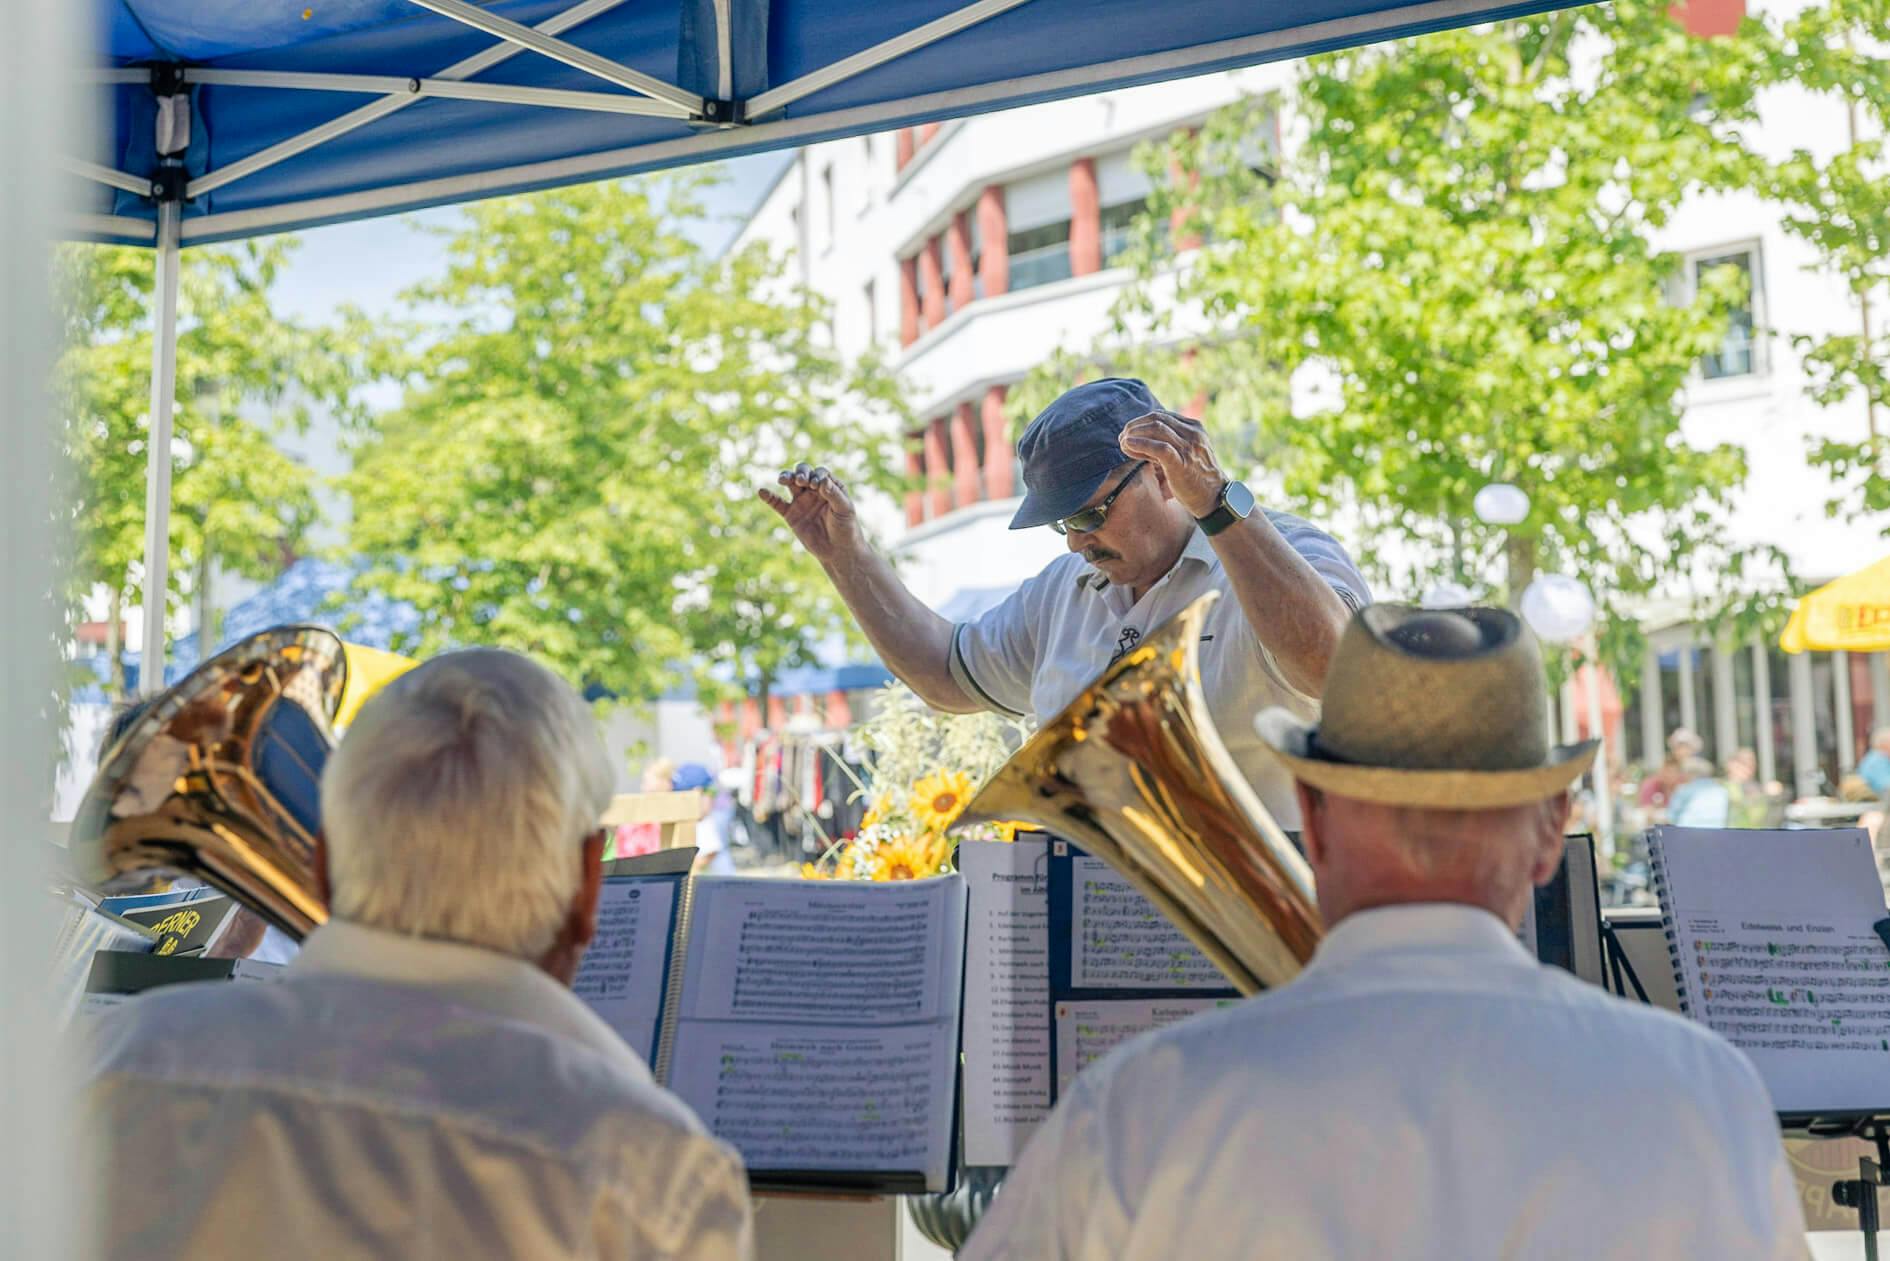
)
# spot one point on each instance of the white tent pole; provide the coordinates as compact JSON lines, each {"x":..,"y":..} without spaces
{"x":394,"y":85}
{"x":878,"y":55}
{"x":139,"y":184}
{"x":465,"y":68}
{"x":560,"y":50}
{"x":157,"y":506}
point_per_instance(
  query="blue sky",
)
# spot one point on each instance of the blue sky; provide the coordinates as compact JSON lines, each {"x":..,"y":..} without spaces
{"x":369,"y":262}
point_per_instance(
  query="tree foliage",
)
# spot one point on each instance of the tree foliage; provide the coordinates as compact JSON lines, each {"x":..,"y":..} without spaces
{"x":1837,"y":199}
{"x":571,"y":470}
{"x":245,"y":372}
{"x":1451,"y":280}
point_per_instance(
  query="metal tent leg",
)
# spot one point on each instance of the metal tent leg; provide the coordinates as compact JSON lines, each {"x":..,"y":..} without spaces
{"x":157,"y":505}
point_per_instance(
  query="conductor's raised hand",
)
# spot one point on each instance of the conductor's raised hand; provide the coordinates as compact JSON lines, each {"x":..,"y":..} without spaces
{"x":1179,"y":447}
{"x":815,"y":506}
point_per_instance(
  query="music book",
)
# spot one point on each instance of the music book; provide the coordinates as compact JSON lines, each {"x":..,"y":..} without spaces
{"x":812,"y":1025}
{"x":1772,"y":943}
{"x":1065,"y":960}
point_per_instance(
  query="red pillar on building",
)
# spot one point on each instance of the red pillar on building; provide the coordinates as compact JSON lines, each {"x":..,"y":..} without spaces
{"x":994,"y":241}
{"x":751,"y":717}
{"x":964,"y":457}
{"x":938,"y":485}
{"x":839,"y":714}
{"x":777,"y":713}
{"x":915,"y":473}
{"x":903,"y":147}
{"x":998,"y":453}
{"x":1708,"y":18}
{"x":931,"y":285}
{"x":927,"y":133}
{"x":958,"y":252}
{"x":1085,"y":218}
{"x":908,"y":301}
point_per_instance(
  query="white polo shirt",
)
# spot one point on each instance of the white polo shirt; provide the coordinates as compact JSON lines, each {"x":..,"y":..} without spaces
{"x":1057,"y":632}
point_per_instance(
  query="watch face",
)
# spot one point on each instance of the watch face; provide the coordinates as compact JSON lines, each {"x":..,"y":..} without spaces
{"x":1239,"y":499}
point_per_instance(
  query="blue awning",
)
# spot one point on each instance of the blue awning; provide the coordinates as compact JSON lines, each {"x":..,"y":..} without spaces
{"x":317,"y":592}
{"x":271,"y":117}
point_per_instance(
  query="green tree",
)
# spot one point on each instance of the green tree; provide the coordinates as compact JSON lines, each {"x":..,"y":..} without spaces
{"x":1450,"y":281}
{"x":245,"y":373}
{"x":571,"y":471}
{"x":1840,"y":206}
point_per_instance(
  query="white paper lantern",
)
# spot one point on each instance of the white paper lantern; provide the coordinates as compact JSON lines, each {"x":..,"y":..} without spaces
{"x":1560,"y":609}
{"x":1500,"y":503}
{"x":1447,"y":595}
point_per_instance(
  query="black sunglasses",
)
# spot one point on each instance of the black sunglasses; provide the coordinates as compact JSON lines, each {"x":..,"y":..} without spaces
{"x":1091,"y":519}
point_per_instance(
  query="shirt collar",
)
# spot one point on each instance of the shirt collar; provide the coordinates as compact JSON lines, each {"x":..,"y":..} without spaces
{"x":469,"y":976}
{"x":1417,"y":927}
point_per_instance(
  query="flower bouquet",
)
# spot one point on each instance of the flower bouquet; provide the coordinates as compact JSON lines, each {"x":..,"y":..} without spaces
{"x":925,"y":766}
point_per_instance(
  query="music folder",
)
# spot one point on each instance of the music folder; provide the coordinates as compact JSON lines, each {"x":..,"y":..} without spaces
{"x":811,"y":1025}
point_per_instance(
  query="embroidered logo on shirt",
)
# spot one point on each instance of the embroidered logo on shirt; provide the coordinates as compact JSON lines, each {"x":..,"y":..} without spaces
{"x":1127,"y":640}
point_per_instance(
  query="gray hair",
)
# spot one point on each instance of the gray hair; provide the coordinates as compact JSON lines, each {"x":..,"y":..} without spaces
{"x":457,"y":804}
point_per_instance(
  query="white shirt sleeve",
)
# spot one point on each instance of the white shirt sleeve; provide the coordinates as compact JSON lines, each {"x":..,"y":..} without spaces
{"x":994,"y":657}
{"x":1324,"y":554}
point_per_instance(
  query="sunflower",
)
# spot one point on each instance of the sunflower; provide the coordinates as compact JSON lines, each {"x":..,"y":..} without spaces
{"x":939,"y":798}
{"x":907,"y":858}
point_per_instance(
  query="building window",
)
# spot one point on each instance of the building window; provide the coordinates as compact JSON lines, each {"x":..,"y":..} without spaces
{"x":1118,"y":228}
{"x":1037,"y":212}
{"x":1741,"y":353}
{"x":872,"y":314}
{"x":976,"y":238}
{"x":1123,"y":190}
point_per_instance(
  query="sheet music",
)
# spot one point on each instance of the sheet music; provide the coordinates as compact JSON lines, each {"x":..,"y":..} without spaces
{"x":1778,"y":955}
{"x":1087,"y":1031}
{"x":1007,"y":996}
{"x":1120,"y":941}
{"x":624,"y":971}
{"x":793,"y":1098}
{"x":819,"y":1022}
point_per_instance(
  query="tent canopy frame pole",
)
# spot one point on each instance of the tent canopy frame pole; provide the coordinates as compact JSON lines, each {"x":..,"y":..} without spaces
{"x":157,"y":517}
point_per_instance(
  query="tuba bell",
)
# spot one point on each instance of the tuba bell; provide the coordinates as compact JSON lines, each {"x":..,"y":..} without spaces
{"x":1133,"y":771}
{"x":219,"y":778}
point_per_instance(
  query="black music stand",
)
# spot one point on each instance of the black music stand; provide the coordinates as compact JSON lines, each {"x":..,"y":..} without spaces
{"x":1859,"y":1193}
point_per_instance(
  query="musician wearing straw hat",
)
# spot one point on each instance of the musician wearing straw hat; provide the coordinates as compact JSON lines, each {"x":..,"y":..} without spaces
{"x":1425,"y":1088}
{"x":1152,"y":523}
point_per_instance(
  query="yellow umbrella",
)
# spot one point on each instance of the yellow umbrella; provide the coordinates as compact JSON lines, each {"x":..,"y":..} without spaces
{"x":1849,"y":615}
{"x":369,"y":670}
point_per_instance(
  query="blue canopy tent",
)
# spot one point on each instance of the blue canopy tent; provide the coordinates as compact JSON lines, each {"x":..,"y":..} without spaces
{"x":231,"y":118}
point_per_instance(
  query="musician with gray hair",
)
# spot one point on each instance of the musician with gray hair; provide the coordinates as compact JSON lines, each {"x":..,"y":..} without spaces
{"x":1425,"y":1088}
{"x":421,"y":1082}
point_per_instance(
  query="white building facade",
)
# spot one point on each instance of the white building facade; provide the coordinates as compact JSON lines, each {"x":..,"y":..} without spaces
{"x":968,"y":253}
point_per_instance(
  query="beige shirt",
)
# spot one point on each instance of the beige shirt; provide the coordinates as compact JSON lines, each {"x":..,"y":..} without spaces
{"x":1424,"y":1090}
{"x":1059,"y":631}
{"x":394,"y":1097}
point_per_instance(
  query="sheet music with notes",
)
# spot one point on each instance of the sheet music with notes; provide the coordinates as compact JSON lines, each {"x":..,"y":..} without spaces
{"x":1088,"y":1030}
{"x":817,"y":1027}
{"x":1772,"y":940}
{"x":1121,"y":941}
{"x":625,"y":971}
{"x":1007,"y":996}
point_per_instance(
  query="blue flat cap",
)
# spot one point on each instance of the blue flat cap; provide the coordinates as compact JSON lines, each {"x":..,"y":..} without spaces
{"x":1073,"y":445}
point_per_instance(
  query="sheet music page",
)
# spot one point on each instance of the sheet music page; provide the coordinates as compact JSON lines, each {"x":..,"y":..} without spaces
{"x":1007,"y":996}
{"x":1778,"y":955}
{"x":819,"y":1022}
{"x":624,"y":972}
{"x":1123,"y":942}
{"x":1089,"y":1030}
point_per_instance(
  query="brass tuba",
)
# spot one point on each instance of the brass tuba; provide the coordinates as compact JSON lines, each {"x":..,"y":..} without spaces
{"x":1133,"y":771}
{"x":219,"y":778}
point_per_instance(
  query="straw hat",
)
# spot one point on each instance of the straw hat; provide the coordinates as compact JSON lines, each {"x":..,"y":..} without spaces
{"x":1430,"y":708}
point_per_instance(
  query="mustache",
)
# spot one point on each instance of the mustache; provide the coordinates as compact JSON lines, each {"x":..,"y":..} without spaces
{"x":1097,"y":555}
